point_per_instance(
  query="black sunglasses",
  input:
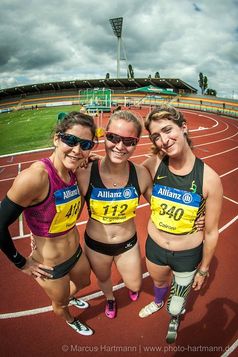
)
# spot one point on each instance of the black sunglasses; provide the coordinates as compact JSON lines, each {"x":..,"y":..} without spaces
{"x":72,"y":140}
{"x":127,"y":140}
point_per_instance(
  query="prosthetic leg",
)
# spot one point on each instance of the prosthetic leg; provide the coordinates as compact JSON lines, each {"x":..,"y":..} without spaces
{"x":180,"y":288}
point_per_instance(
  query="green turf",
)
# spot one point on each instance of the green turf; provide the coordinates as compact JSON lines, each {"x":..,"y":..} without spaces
{"x":25,"y":130}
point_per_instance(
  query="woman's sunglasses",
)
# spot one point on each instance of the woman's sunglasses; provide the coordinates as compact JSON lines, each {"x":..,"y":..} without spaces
{"x":72,"y":140}
{"x":116,"y":139}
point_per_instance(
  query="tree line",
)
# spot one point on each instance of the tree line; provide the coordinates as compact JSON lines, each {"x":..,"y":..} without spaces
{"x":202,"y":80}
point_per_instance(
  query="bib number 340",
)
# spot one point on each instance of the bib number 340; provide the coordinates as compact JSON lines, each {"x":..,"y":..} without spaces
{"x":172,"y":212}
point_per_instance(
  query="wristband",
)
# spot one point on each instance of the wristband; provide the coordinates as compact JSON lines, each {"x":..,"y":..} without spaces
{"x":19,"y":261}
{"x":203,"y":273}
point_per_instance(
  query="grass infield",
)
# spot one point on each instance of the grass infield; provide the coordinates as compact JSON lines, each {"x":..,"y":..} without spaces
{"x":25,"y":130}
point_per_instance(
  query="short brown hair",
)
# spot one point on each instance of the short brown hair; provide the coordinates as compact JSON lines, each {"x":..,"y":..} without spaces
{"x":166,"y":112}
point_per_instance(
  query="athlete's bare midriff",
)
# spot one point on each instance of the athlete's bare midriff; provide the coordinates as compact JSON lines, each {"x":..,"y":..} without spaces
{"x":175,"y":242}
{"x":53,"y":251}
{"x":110,"y":233}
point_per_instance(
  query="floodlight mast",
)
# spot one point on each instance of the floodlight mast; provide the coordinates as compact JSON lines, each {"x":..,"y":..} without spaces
{"x":116,"y":24}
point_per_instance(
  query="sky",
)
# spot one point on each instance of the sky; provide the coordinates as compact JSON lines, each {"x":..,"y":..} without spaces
{"x":44,"y":41}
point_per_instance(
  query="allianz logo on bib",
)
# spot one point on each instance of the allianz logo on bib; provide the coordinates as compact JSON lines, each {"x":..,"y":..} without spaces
{"x":166,"y":192}
{"x":66,"y":194}
{"x":127,"y":193}
{"x":109,"y":194}
{"x":187,"y":197}
{"x":181,"y":196}
{"x":71,"y":193}
{"x":112,"y":193}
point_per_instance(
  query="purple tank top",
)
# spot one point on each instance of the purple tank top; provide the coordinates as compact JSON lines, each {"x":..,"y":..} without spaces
{"x":58,"y":213}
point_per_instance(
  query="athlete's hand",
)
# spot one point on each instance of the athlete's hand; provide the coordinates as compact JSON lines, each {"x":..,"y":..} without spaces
{"x":200,"y":223}
{"x":92,"y":157}
{"x":84,"y":164}
{"x":34,"y":269}
{"x":198,"y":281}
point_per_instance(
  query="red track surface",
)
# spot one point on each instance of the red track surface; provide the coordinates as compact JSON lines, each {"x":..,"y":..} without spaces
{"x":210,"y":324}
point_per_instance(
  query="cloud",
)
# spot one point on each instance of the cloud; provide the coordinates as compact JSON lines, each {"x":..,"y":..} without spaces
{"x":43,"y":41}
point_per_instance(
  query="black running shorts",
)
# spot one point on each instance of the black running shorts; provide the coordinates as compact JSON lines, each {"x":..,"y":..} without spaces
{"x":110,"y":249}
{"x":180,"y":261}
{"x":64,"y":268}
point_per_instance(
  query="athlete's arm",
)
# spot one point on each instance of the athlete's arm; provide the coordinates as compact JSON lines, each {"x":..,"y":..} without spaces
{"x":151,"y":164}
{"x":213,"y":193}
{"x":9,"y":212}
{"x":27,"y":189}
{"x":145,"y":181}
{"x":83,"y":177}
{"x":91,"y":157}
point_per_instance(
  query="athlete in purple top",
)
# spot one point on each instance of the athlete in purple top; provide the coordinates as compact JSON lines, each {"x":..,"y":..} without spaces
{"x":48,"y":194}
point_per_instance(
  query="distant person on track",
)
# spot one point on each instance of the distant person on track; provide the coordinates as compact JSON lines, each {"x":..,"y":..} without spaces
{"x":48,"y":194}
{"x":112,"y":186}
{"x":184,"y":187}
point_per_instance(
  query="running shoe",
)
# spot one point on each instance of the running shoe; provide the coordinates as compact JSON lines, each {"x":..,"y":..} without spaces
{"x":80,"y":328}
{"x":150,"y":309}
{"x":111,"y":309}
{"x":134,"y":295}
{"x":79,"y":303}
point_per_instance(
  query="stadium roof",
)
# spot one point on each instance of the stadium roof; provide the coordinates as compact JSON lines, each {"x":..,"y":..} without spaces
{"x":152,"y":89}
{"x":116,"y":84}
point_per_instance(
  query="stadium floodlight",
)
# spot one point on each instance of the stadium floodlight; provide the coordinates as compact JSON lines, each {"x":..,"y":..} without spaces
{"x":116,"y":24}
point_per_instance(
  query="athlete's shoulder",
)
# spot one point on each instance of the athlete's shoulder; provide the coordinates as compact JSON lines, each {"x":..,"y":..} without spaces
{"x":212,"y":181}
{"x":29,"y":184}
{"x":152,"y":163}
{"x":36,"y":173}
{"x":210,"y":173}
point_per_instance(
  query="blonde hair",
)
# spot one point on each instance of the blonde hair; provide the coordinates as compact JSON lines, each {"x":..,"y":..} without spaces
{"x":129,"y":117}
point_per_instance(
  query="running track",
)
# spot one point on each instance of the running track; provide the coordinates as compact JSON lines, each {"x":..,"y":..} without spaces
{"x":29,"y":328}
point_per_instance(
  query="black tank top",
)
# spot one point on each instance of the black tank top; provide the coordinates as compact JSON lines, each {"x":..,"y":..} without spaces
{"x":177,"y":201}
{"x":112,"y":205}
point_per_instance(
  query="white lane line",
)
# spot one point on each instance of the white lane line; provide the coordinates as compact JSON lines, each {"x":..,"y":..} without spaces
{"x":228,"y":224}
{"x":11,"y":159}
{"x":42,"y":310}
{"x":229,"y":172}
{"x":219,"y":153}
{"x":229,"y":199}
{"x":230,"y":349}
{"x":217,"y":141}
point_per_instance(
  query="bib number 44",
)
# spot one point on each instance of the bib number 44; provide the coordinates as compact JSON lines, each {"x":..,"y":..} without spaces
{"x":73,"y":210}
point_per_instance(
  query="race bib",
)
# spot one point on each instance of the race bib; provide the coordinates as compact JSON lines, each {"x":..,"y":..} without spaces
{"x":67,"y":204}
{"x":174,"y":210}
{"x":113,"y":205}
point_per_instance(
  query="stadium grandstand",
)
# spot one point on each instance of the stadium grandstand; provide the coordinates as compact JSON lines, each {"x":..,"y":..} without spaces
{"x":73,"y":87}
{"x":124,"y":91}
